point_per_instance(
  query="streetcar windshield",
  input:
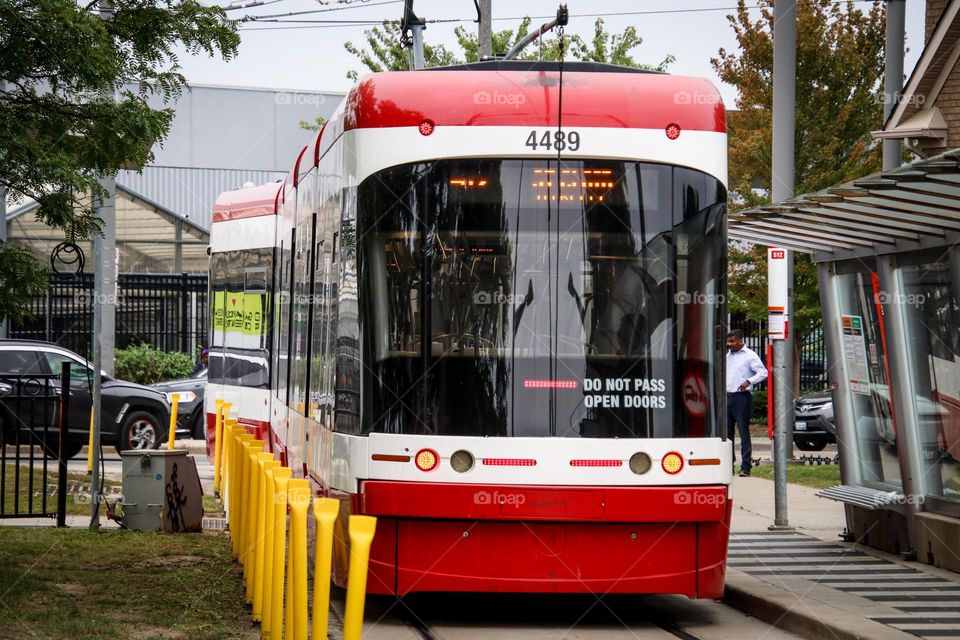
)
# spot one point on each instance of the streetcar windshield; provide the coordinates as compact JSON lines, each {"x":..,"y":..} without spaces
{"x":537,"y":298}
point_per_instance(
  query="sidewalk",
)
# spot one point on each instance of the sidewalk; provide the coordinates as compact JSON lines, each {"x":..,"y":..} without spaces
{"x":809,"y":582}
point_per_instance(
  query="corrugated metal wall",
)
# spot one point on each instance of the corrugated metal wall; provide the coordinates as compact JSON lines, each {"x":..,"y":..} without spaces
{"x":190,"y":192}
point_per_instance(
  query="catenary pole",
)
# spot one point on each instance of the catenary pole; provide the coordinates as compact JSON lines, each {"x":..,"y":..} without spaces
{"x":784,"y":125}
{"x":485,"y":29}
{"x":3,"y":227}
{"x":3,"y":238}
{"x":104,"y":301}
{"x":893,"y":76}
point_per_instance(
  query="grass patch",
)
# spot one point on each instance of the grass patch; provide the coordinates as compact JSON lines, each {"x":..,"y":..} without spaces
{"x":74,"y":583}
{"x":816,"y":476}
{"x":212,"y":506}
{"x":78,"y":489}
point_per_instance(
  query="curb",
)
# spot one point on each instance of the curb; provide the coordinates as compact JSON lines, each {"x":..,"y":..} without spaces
{"x":778,"y":607}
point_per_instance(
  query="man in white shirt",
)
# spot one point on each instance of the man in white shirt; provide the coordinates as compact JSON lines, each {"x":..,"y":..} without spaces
{"x":744,"y":369}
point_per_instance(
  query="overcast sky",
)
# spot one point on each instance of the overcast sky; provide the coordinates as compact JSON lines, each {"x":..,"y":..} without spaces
{"x":312,"y":56}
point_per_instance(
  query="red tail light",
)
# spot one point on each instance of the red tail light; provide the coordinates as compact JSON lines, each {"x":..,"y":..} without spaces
{"x":549,"y":384}
{"x":596,"y":463}
{"x":509,"y":462}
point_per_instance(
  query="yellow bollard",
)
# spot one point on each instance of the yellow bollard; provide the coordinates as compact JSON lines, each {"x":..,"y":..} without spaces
{"x":361,"y":537}
{"x":90,"y":444}
{"x":269,"y":468}
{"x":227,"y":420}
{"x":281,"y":477}
{"x":247,"y":554}
{"x":325,"y":512}
{"x":228,"y":485}
{"x":172,"y":434}
{"x":218,"y":444}
{"x":229,"y":456}
{"x":298,"y":497}
{"x":224,"y":495}
{"x":259,"y":543}
{"x":245,"y":499}
{"x":236,"y":489}
{"x":218,"y":424}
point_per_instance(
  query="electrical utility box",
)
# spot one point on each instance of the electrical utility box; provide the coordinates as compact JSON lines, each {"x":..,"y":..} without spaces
{"x":161,"y":491}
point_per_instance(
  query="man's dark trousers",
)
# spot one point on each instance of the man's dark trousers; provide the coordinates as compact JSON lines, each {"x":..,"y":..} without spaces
{"x":738,"y":412}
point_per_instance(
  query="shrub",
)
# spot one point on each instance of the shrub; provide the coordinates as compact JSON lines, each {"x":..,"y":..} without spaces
{"x":758,"y":413}
{"x":145,"y":365}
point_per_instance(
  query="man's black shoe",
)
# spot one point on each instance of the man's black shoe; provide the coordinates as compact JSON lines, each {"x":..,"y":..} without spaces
{"x":744,"y":474}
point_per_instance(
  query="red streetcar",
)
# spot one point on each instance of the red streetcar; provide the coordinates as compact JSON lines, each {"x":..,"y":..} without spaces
{"x":491,"y":302}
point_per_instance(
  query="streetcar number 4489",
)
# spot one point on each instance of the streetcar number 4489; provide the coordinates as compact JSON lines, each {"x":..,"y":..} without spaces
{"x":554,"y":140}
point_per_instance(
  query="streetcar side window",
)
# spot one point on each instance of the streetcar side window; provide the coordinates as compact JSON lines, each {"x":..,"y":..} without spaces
{"x":241,"y":293}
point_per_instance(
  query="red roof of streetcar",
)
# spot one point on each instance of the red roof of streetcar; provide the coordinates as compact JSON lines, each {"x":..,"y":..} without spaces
{"x":530,"y":98}
{"x":247,"y":202}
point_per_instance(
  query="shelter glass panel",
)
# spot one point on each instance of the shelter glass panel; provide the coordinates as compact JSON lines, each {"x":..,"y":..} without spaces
{"x":931,"y":291}
{"x":868,"y":373}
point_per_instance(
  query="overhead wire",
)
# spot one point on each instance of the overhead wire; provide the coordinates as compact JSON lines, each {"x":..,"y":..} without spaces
{"x":261,"y":3}
{"x":307,"y":24}
{"x":312,"y":11}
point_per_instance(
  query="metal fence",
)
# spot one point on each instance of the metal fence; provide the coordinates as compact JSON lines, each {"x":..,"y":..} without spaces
{"x":33,"y":465}
{"x":813,"y":354}
{"x":166,"y":311}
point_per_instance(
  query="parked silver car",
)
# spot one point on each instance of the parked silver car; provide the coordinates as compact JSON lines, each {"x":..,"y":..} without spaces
{"x":814,"y":427}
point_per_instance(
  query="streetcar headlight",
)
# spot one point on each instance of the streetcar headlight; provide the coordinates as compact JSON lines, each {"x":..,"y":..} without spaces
{"x":461,"y":461}
{"x":427,"y":460}
{"x":672,"y":462}
{"x":640,"y":463}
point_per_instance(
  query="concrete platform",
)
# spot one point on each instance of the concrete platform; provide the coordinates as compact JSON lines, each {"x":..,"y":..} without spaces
{"x":808,"y":582}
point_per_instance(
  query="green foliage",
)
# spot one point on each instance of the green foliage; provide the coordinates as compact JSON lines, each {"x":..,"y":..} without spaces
{"x":145,"y":365}
{"x":838,"y":98}
{"x":758,"y":408}
{"x":74,"y":92}
{"x":838,"y":103}
{"x":386,"y":53}
{"x":24,"y":277}
{"x":747,"y":288}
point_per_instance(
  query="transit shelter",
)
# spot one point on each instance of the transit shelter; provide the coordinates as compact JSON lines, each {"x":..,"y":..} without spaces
{"x":888,"y":261}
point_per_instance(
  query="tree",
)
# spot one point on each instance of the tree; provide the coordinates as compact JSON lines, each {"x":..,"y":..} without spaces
{"x":839,"y":101}
{"x":74,"y":91}
{"x":386,"y":53}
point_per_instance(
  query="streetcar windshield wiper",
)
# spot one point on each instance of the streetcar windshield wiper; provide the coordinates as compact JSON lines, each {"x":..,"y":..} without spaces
{"x":518,"y":313}
{"x":572,"y":290}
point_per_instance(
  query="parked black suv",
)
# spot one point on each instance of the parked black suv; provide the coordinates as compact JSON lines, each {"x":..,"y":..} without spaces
{"x":814,"y":427}
{"x":191,"y":419}
{"x":134,"y":416}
